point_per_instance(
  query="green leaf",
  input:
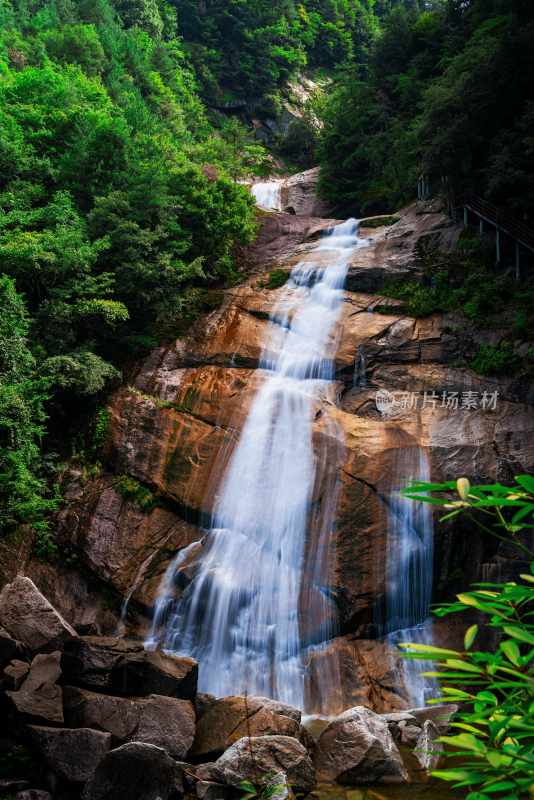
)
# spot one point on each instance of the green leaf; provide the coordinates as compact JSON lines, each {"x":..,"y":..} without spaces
{"x":470,"y":636}
{"x":453,"y":774}
{"x":526,"y":481}
{"x":428,"y":649}
{"x":465,"y":666}
{"x":520,"y":634}
{"x":512,"y":652}
{"x":466,"y":741}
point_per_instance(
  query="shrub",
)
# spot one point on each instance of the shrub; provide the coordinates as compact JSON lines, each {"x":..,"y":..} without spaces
{"x":493,"y":743}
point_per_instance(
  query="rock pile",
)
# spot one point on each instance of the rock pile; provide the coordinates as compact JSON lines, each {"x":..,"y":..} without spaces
{"x":101,"y":718}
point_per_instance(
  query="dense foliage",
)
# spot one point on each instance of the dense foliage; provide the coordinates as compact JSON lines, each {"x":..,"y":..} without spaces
{"x":447,"y":93}
{"x":118,"y":206}
{"x":493,"y":741}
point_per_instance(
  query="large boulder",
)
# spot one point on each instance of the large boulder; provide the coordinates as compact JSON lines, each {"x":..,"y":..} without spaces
{"x":257,"y":758}
{"x":163,"y":721}
{"x":229,"y":719}
{"x":122,"y":666}
{"x":358,"y":748}
{"x":27,"y":615}
{"x":71,"y":754}
{"x":134,"y":771}
{"x":39,"y":698}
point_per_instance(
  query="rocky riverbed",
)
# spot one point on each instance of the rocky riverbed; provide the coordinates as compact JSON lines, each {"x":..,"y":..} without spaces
{"x":101,"y":718}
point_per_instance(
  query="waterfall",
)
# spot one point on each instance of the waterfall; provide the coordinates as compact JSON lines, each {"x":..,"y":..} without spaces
{"x":410,"y":569}
{"x":258,"y":605}
{"x":268,"y":194}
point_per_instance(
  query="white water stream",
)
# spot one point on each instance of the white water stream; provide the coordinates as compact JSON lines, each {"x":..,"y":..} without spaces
{"x":410,"y":570}
{"x":258,"y":606}
{"x":268,"y":194}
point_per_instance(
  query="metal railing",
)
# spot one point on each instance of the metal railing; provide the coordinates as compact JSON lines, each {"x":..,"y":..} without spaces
{"x":510,"y":225}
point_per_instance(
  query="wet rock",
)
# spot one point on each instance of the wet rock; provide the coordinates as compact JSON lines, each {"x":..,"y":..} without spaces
{"x":40,"y":698}
{"x":33,"y":794}
{"x":409,"y":735}
{"x":134,"y":771}
{"x":357,"y":748}
{"x":440,"y":715}
{"x":71,"y":754}
{"x":28,"y":616}
{"x":162,"y":721}
{"x":229,"y":719}
{"x":122,"y":666}
{"x":258,"y":757}
{"x":15,"y":673}
{"x":428,"y":750}
{"x":206,"y":790}
{"x":203,"y":703}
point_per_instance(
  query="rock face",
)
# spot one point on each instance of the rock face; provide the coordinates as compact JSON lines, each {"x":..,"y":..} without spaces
{"x":299,"y":195}
{"x":357,"y":748}
{"x":121,"y":666}
{"x":258,"y":757}
{"x":28,"y":616}
{"x":172,"y":429}
{"x":162,"y":721}
{"x":231,"y":718}
{"x":73,"y":755}
{"x":135,"y":771}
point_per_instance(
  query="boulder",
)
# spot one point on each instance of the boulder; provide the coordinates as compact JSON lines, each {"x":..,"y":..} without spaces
{"x":257,"y":758}
{"x":39,"y":698}
{"x":206,"y":790}
{"x":358,"y":748}
{"x":71,"y":754}
{"x":27,"y":615}
{"x":428,"y":750}
{"x":229,"y":719}
{"x":123,"y":666}
{"x":162,"y":721}
{"x":440,"y":715}
{"x":15,"y":673}
{"x":33,"y":794}
{"x":135,"y":771}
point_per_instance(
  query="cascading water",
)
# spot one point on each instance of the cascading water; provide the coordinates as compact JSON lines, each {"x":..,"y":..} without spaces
{"x":259,"y":605}
{"x":410,"y":569}
{"x":268,"y":194}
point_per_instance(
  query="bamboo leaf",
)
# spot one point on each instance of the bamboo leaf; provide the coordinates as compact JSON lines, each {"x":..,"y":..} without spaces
{"x":470,"y":636}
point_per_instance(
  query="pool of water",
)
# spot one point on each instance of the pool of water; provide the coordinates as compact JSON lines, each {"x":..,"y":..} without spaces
{"x":412,"y":791}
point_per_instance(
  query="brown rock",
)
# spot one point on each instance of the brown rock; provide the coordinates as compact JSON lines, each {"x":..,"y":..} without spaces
{"x":163,"y":721}
{"x":440,"y":714}
{"x":28,"y":616}
{"x":71,"y":754}
{"x":15,"y":673}
{"x":258,"y":757}
{"x":357,"y":748}
{"x":134,"y":771}
{"x":39,"y":698}
{"x":33,"y":794}
{"x":123,"y":666}
{"x":231,"y":718}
